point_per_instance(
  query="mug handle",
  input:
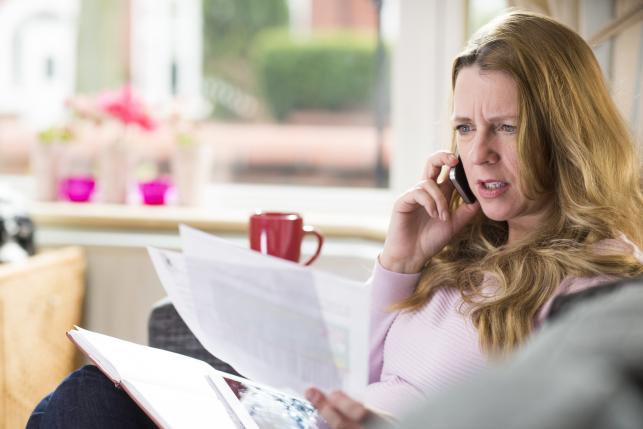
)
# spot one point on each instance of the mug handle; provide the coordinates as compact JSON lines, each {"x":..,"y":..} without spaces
{"x":320,"y":241}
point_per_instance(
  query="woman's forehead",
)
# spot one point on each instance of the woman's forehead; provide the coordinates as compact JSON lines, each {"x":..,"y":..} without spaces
{"x":492,"y":94}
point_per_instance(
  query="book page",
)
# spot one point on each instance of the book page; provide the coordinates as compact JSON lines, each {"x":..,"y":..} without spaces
{"x":275,"y":321}
{"x":183,"y":409}
{"x":173,"y":389}
{"x":135,"y":361}
{"x":79,"y":337}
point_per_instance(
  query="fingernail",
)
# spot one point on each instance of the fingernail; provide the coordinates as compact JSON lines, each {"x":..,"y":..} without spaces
{"x":445,"y":216}
{"x":312,"y":396}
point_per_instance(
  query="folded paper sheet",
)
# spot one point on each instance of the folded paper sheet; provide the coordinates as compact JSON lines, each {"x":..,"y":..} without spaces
{"x":274,"y":321}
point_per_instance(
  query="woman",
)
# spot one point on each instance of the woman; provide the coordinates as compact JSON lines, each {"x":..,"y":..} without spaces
{"x":559,"y":209}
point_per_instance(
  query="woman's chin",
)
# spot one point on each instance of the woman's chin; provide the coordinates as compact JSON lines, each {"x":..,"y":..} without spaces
{"x":494,"y":213}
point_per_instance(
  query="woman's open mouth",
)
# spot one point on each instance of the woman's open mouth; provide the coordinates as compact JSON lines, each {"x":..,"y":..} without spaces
{"x":492,"y":188}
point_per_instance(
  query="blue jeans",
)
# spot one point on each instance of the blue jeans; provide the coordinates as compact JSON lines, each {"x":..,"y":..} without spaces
{"x":88,"y":399}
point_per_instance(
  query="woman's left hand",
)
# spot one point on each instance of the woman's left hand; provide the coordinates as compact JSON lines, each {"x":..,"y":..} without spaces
{"x":340,"y":410}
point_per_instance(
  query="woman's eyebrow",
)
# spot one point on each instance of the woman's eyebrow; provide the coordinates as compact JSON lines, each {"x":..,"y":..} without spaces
{"x":491,"y":119}
{"x":500,"y":118}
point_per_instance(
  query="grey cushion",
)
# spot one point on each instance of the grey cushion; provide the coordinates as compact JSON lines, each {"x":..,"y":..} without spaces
{"x":167,"y":331}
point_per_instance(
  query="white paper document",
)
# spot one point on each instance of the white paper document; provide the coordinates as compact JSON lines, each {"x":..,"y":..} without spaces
{"x":276,"y":322}
{"x":170,"y":267}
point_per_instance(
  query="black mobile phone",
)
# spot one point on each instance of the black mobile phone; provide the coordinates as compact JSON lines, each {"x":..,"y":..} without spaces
{"x":459,"y":180}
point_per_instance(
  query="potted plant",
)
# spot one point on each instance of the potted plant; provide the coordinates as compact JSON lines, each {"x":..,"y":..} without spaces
{"x":124,"y":116}
{"x":45,"y":161}
{"x":191,"y":161}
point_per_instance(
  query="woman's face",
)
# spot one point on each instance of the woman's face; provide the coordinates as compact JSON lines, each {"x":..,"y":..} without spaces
{"x":485,"y":118}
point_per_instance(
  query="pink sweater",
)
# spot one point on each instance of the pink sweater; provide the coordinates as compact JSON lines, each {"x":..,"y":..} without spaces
{"x":414,"y":354}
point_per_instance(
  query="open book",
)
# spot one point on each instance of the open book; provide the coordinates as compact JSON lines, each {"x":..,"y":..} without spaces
{"x":178,"y":392}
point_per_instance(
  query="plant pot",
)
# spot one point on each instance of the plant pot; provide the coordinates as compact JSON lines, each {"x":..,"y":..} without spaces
{"x":45,"y":160}
{"x":191,"y":171}
{"x":77,"y":189}
{"x":113,"y":169}
{"x":154,"y":191}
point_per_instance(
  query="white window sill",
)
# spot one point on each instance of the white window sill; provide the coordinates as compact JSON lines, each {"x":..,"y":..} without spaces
{"x":339,"y":212}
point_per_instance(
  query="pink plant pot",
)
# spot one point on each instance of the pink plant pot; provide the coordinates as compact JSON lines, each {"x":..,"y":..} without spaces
{"x":154,"y":191}
{"x":78,"y":189}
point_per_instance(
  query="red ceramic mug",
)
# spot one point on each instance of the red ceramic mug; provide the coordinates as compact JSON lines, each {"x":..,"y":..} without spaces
{"x":281,"y":234}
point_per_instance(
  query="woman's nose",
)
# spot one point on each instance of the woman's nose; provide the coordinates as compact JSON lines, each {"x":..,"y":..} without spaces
{"x":482,"y":149}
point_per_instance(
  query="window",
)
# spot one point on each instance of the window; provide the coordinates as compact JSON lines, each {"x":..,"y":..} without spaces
{"x":37,"y":57}
{"x":291,"y":92}
{"x":299,"y":91}
{"x":266,"y":120}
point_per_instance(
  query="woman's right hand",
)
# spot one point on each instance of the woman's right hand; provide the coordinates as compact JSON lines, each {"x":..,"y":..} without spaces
{"x":421,"y":223}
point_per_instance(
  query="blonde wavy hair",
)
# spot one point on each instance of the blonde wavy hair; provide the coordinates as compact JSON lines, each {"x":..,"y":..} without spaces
{"x":574,"y":149}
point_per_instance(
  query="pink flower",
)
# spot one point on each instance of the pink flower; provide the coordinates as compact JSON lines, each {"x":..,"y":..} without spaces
{"x":126,"y":107}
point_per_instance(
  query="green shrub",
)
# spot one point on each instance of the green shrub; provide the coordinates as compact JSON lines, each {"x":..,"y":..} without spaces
{"x":331,"y":72}
{"x":231,"y":25}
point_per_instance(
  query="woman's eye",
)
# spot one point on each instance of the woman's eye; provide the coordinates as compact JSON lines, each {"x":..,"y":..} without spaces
{"x":506,"y":128}
{"x":463,"y":129}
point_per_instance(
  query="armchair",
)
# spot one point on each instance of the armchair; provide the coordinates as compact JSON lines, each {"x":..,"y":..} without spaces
{"x":167,"y":331}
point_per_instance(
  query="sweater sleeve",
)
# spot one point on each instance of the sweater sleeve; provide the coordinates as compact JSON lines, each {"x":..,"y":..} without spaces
{"x":387,"y":288}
